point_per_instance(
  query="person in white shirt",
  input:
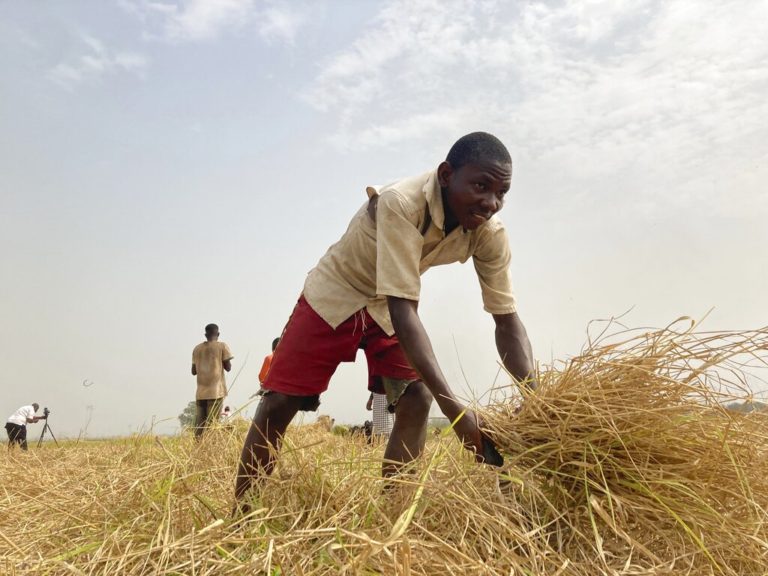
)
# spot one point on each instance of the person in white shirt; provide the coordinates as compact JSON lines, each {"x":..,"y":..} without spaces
{"x":16,"y":426}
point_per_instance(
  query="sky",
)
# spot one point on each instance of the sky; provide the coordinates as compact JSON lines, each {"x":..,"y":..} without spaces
{"x":169,"y":163}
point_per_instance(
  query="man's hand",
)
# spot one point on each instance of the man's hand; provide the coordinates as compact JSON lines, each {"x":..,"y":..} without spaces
{"x":417,"y":347}
{"x":468,"y":431}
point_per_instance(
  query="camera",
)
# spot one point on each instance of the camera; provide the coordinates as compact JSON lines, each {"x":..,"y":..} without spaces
{"x":46,"y":412}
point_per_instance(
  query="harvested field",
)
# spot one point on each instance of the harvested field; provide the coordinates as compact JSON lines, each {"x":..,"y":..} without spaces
{"x":623,"y":462}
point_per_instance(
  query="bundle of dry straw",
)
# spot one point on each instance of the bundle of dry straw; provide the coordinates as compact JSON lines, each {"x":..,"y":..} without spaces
{"x":628,"y":461}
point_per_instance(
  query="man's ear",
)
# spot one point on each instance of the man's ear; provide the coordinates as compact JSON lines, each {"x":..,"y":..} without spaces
{"x":444,"y":173}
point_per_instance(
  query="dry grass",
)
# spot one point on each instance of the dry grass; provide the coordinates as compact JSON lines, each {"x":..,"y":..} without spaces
{"x":622,"y":463}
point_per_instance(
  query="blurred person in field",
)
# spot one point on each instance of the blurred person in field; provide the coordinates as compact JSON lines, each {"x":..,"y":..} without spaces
{"x":382,"y":417}
{"x":226,"y":415}
{"x":267,"y":362}
{"x":16,"y":425}
{"x":209,"y":361}
{"x":265,"y":368}
{"x":383,"y":412}
{"x":366,"y":290}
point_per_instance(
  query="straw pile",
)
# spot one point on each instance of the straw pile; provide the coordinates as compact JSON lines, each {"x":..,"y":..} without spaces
{"x":631,"y":462}
{"x":622,"y":463}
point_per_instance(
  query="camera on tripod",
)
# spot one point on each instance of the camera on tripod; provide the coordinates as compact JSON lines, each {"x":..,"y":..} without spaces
{"x":46,"y":428}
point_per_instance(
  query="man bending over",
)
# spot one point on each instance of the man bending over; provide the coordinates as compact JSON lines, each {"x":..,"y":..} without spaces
{"x":365,"y":291}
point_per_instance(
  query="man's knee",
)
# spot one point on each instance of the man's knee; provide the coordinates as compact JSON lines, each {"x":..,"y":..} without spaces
{"x":417,"y":398}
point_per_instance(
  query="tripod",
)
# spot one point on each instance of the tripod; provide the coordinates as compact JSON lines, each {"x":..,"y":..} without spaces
{"x":47,"y":427}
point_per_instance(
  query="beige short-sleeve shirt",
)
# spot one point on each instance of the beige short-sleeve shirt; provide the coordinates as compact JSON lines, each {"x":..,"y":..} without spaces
{"x":208,"y":358}
{"x":386,"y":256}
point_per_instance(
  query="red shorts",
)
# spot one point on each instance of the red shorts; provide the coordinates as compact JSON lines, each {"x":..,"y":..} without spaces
{"x":310,"y":351}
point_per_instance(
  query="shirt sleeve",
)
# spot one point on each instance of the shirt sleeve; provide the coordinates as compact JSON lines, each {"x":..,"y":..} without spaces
{"x":398,"y":248}
{"x":491,"y":259}
{"x":226,"y":353}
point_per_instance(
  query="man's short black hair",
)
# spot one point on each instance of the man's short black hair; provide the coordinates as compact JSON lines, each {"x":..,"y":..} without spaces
{"x":477,"y":147}
{"x":211,"y":329}
{"x":275,"y":342}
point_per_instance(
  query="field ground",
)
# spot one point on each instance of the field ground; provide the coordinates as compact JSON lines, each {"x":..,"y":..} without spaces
{"x":148,"y":505}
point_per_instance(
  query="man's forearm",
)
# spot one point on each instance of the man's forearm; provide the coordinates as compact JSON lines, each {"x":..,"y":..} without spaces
{"x":417,"y":347}
{"x":515,"y":349}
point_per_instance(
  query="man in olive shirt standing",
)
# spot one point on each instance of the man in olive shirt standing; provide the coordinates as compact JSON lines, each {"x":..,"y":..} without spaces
{"x":209,"y":360}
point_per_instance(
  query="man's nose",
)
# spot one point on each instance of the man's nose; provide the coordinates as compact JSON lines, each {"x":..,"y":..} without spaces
{"x":490,"y":203}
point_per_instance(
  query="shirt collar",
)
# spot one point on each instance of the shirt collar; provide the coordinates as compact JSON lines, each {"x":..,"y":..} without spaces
{"x":435,"y":200}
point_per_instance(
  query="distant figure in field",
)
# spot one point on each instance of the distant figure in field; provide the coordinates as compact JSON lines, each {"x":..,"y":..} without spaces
{"x":366,"y":289}
{"x":267,"y":362}
{"x":325,"y":422}
{"x":265,"y":367}
{"x":209,"y":360}
{"x":16,"y":426}
{"x":383,"y":413}
{"x":226,"y":415}
{"x":382,"y":417}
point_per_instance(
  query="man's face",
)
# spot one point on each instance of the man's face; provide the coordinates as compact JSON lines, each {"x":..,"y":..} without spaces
{"x":474,"y":192}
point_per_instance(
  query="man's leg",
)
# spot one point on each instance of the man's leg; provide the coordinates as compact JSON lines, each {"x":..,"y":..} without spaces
{"x":310,"y":350}
{"x":405,"y":391}
{"x":214,"y":411}
{"x":22,"y":437}
{"x":410,"y":430}
{"x":275,"y":412}
{"x":11,"y":434}
{"x":201,"y":415}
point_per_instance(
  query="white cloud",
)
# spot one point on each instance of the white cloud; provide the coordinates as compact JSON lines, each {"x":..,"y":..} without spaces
{"x":206,"y":20}
{"x":281,"y":22}
{"x":664,"y":93}
{"x":97,"y":61}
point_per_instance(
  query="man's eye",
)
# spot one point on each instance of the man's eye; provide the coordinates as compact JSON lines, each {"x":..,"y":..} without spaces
{"x":481,"y":186}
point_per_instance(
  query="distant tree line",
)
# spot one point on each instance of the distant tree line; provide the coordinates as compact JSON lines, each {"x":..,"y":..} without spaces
{"x":747,"y":407}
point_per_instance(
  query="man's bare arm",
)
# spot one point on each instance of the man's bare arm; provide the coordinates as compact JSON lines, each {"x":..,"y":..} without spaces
{"x":515,"y":348}
{"x":227,"y":365}
{"x":418,"y":348}
{"x":194,"y":370}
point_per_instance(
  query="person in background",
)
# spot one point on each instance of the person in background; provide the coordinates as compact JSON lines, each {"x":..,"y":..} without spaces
{"x":16,"y":426}
{"x":267,"y":362}
{"x":209,"y":361}
{"x":382,"y":417}
{"x":226,"y":415}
